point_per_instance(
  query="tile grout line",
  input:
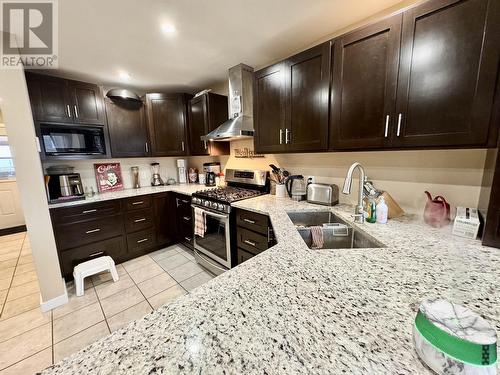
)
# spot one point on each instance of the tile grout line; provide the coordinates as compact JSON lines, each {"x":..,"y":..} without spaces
{"x":13,"y":274}
{"x":137,"y":286}
{"x":100,"y":305}
{"x":24,"y":359}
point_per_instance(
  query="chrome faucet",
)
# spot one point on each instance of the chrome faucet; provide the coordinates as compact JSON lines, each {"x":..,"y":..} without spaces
{"x":359,"y":212}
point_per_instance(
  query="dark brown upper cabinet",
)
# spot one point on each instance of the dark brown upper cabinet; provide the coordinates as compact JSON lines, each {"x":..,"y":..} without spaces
{"x":291,"y":103}
{"x":88,"y":106}
{"x":206,"y":112}
{"x":269,"y":109}
{"x":307,"y":78}
{"x":60,"y":100}
{"x":50,"y":98}
{"x":447,"y":75}
{"x":127,"y":127}
{"x":363,"y":94}
{"x":167,"y":123}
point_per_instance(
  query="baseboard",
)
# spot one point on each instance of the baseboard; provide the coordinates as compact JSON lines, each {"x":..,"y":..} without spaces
{"x":18,"y":229}
{"x":55,"y":302}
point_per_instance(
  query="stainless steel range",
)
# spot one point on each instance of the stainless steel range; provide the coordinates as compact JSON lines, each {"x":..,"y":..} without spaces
{"x":216,"y":249}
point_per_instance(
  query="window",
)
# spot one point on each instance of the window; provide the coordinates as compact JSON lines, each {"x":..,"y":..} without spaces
{"x":6,"y":163}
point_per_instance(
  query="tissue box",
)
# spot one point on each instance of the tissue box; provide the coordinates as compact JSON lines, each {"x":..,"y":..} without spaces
{"x":466,"y":223}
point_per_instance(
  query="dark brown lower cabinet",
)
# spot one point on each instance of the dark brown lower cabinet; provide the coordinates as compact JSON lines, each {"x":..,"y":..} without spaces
{"x":122,"y":228}
{"x":163,"y":209}
{"x":254,"y":234}
{"x":184,"y":220}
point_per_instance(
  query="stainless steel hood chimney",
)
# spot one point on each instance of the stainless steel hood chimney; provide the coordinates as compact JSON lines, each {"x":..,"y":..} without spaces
{"x":240,"y":123}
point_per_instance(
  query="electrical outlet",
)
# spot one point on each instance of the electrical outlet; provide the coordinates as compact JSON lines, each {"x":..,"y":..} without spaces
{"x":311,"y":179}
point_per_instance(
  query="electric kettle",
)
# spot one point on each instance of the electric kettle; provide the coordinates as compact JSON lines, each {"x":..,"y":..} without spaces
{"x":296,"y":187}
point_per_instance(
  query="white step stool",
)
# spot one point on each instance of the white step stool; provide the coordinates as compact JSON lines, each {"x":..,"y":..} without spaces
{"x":92,"y":267}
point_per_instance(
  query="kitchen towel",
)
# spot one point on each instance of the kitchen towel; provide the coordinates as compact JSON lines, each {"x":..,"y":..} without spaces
{"x":200,"y":222}
{"x":317,"y":237}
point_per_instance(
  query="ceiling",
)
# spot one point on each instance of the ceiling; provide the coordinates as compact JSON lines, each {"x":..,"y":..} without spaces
{"x":99,"y":39}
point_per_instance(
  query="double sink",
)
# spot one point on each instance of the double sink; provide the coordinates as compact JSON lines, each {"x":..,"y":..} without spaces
{"x":337,"y":233}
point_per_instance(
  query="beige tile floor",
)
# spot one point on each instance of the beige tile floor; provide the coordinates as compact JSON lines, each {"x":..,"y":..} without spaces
{"x":31,"y":340}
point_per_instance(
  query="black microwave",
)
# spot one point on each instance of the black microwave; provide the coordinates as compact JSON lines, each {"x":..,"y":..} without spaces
{"x":72,"y":140}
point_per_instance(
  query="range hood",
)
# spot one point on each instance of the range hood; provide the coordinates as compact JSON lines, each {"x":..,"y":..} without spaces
{"x":123,"y":94}
{"x":240,"y":123}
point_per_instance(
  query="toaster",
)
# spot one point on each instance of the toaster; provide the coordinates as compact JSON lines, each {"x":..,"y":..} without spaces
{"x":325,"y":194}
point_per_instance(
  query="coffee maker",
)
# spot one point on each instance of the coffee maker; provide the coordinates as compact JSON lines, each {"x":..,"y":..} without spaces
{"x":64,"y":187}
{"x":182,"y":171}
{"x":211,"y":171}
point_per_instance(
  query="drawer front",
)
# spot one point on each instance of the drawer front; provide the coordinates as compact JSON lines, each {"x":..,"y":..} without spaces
{"x":186,"y":232}
{"x":252,"y":242}
{"x":114,"y":247}
{"x":85,"y":232}
{"x":91,"y":211}
{"x":140,"y":241}
{"x":136,"y":203}
{"x":183,"y":204}
{"x":243,"y":255}
{"x":139,"y":220}
{"x":253,"y":221}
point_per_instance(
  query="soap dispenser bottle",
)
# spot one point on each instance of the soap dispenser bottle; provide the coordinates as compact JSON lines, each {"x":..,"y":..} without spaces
{"x":382,"y":211}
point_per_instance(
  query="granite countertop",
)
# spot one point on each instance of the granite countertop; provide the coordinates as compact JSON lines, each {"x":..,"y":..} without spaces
{"x":187,"y":189}
{"x":292,"y":310}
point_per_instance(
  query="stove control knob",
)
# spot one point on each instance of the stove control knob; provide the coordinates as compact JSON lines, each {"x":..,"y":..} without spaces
{"x":214,"y":205}
{"x":221,"y":207}
{"x":206,"y":203}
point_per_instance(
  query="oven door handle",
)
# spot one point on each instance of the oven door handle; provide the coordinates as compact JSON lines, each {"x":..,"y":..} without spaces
{"x":207,"y":212}
{"x":206,"y":259}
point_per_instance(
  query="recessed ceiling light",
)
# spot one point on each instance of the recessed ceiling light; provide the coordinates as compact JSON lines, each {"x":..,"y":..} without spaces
{"x":124,"y":76}
{"x":168,"y":28}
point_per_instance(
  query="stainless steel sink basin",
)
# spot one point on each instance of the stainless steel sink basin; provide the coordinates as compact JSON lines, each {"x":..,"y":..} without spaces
{"x":337,"y":233}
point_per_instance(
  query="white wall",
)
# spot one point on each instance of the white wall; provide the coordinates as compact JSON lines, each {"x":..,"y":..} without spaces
{"x":15,"y":106}
{"x":455,"y":174}
{"x":168,"y":168}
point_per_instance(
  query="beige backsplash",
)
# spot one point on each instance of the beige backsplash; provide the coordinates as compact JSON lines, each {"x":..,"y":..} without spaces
{"x":455,"y":174}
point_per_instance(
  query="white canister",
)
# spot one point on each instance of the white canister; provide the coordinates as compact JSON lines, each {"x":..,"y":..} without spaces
{"x":451,"y":339}
{"x":280,"y":191}
{"x":202,"y":178}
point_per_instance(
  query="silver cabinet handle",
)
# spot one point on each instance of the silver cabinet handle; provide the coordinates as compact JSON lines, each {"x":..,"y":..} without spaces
{"x":251,"y":243}
{"x":269,"y":234}
{"x":182,"y":145}
{"x":143,"y":240}
{"x":136,"y":203}
{"x":400,"y":117}
{"x":187,"y":239}
{"x":249,"y":221}
{"x":281,"y":136}
{"x":98,"y":253}
{"x":206,"y":145}
{"x":184,"y":201}
{"x":187,"y":218}
{"x":76,"y":111}
{"x":69,"y":110}
{"x":139,"y":220}
{"x":89,"y":211}
{"x":287,"y":136}
{"x":93,"y":231}
{"x":147,"y":147}
{"x":386,"y":133}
